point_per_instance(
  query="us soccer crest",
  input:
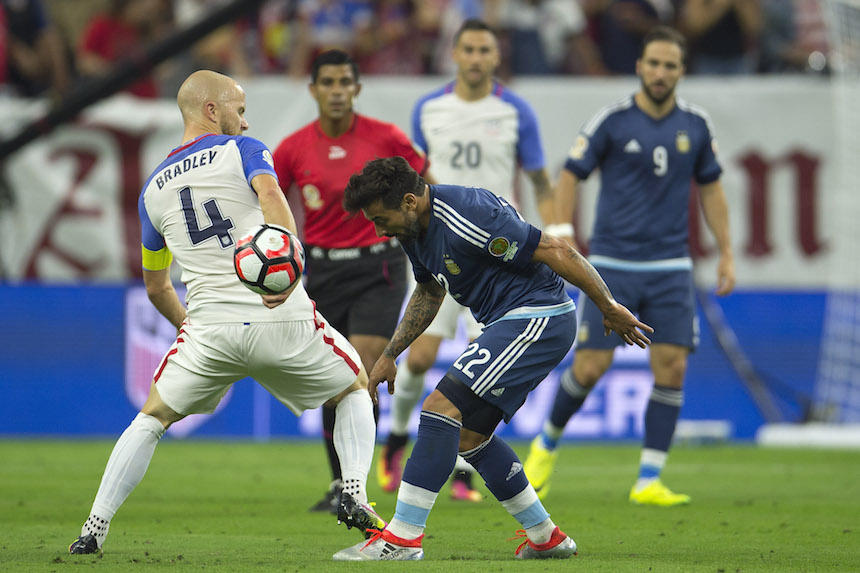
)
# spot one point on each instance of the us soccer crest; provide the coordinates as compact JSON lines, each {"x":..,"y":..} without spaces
{"x":451,"y":266}
{"x":682,"y":142}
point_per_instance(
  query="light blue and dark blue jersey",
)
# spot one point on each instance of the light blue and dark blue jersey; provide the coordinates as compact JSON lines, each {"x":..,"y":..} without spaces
{"x":647,"y":167}
{"x":479,"y":249}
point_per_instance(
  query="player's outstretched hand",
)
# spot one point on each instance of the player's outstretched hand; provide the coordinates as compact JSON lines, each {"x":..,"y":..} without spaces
{"x":630,"y":328}
{"x":385,"y":370}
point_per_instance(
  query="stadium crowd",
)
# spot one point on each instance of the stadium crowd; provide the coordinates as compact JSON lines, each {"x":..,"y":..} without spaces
{"x":49,"y":46}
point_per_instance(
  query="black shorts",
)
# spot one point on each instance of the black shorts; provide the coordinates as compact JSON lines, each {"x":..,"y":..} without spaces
{"x":359,"y":291}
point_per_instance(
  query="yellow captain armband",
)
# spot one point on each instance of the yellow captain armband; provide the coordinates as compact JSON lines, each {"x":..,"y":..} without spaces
{"x":156,"y":260}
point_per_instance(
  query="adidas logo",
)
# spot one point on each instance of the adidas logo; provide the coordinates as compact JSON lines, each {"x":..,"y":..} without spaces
{"x":516,"y":468}
{"x":336,"y":152}
{"x":632,"y":147}
{"x":497,"y":392}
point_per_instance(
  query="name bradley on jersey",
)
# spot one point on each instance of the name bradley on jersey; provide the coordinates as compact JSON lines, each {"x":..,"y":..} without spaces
{"x":191,"y":162}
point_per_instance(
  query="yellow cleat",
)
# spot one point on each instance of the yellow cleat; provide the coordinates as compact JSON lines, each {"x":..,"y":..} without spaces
{"x":539,"y":466}
{"x":657,"y":494}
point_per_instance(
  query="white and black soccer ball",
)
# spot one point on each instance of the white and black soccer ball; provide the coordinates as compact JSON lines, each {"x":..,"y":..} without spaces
{"x":269,"y":259}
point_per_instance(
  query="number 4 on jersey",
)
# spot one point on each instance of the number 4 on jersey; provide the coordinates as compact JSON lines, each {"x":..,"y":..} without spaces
{"x":218,"y":225}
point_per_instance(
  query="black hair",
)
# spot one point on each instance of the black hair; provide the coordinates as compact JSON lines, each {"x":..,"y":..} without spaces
{"x":387,"y":179}
{"x":665,"y":34}
{"x":473,"y":24}
{"x":333,"y":58}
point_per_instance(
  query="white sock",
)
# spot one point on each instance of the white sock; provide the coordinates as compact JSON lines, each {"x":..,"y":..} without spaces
{"x":407,"y":391}
{"x":126,"y":466}
{"x":404,"y":530}
{"x":462,"y":465}
{"x":651,"y":463}
{"x":354,"y":437}
{"x":542,"y":532}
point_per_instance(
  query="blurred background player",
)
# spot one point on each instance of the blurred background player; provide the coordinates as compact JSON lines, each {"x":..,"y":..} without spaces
{"x":356,"y":279}
{"x":475,"y":246}
{"x":227,"y":333}
{"x":648,"y":147}
{"x":475,"y":133}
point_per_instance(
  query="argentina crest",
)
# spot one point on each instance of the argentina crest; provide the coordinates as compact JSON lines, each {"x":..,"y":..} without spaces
{"x":682,"y":142}
{"x":451,"y":265}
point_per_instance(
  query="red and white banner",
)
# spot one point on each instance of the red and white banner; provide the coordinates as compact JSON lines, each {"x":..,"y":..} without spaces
{"x":73,"y":209}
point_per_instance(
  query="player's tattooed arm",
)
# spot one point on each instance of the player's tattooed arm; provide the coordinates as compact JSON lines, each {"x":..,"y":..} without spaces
{"x":544,"y":196}
{"x":574,"y":268}
{"x":419,"y":313}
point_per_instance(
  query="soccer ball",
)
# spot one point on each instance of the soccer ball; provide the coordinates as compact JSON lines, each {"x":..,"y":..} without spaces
{"x":269,"y":259}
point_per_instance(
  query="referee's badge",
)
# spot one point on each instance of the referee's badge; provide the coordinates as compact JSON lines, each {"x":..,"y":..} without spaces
{"x":451,"y":266}
{"x":313,"y":197}
{"x":682,"y":142}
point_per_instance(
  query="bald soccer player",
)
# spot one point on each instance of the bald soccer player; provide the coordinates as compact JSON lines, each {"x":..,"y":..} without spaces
{"x":216,"y":184}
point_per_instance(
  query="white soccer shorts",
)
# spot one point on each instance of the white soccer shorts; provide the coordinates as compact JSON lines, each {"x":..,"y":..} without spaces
{"x":301,"y":363}
{"x":444,"y":325}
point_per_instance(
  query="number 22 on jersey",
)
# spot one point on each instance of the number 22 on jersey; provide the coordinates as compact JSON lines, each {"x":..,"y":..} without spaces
{"x":465,"y":366}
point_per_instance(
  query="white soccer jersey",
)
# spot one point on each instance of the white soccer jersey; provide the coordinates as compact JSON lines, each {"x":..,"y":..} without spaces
{"x":478,"y":143}
{"x":194,"y":206}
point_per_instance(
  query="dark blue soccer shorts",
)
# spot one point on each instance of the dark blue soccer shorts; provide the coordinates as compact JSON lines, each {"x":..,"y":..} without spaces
{"x":663,"y":300}
{"x":511,"y":357}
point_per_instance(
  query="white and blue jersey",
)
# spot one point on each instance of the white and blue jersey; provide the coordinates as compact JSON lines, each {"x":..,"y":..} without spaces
{"x":470,"y":230}
{"x":647,"y":167}
{"x":193,"y":208}
{"x":478,"y":143}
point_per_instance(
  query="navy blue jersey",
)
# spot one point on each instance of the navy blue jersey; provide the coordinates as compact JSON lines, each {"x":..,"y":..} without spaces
{"x":479,"y":249}
{"x":646,"y":169}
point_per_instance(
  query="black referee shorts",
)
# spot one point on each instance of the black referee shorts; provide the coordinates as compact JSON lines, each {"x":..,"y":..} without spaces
{"x":359,"y":291}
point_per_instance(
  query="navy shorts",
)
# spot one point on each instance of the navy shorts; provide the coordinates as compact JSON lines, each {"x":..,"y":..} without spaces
{"x":511,"y":357}
{"x":663,"y":300}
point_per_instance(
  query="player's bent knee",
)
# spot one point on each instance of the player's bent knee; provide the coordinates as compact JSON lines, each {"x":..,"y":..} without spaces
{"x":156,"y":408}
{"x":419,"y":363}
{"x":589,"y":366}
{"x":359,"y":384}
{"x":437,"y":402}
{"x":470,"y":440}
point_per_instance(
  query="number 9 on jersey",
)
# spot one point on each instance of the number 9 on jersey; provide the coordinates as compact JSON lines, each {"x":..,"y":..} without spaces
{"x":269,"y":259}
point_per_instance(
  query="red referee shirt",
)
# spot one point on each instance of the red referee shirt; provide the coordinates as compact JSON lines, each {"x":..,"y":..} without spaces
{"x":321,"y":166}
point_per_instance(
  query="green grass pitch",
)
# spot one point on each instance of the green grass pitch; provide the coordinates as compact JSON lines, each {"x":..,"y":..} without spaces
{"x":239,"y":506}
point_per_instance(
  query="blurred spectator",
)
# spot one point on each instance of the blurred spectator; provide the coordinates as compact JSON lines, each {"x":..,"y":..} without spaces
{"x":397,"y":43}
{"x":331,"y":24}
{"x":548,"y":37}
{"x":117,"y":35}
{"x":794,"y":37}
{"x":620,"y":25}
{"x":4,"y":46}
{"x":269,"y":38}
{"x":427,"y":18}
{"x":221,"y":50}
{"x":723,"y":35}
{"x":36,"y":58}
